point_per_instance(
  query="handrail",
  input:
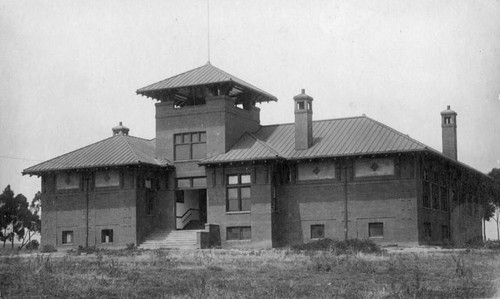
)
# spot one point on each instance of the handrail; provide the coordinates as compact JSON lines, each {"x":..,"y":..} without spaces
{"x":188,"y":210}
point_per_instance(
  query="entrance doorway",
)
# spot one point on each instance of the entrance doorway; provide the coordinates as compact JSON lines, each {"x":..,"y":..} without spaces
{"x":191,"y":208}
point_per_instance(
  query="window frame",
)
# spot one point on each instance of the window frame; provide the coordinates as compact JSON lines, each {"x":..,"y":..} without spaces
{"x":375,"y":236}
{"x":322,"y":230}
{"x":240,"y":233}
{"x":201,"y":139}
{"x":239,"y":186}
{"x":64,"y":237}
{"x":110,"y":235}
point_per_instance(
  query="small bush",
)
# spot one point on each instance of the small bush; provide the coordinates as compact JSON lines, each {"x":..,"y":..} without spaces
{"x":130,"y":246}
{"x":351,"y":246}
{"x":32,"y":245}
{"x":492,"y":244}
{"x":48,"y":248}
{"x":475,"y":242}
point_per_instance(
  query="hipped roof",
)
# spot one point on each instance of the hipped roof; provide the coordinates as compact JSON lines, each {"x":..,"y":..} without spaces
{"x":204,"y":75}
{"x":118,"y":150}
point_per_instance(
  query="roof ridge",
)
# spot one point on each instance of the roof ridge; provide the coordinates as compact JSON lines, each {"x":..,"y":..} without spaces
{"x":316,"y":121}
{"x":130,"y":148}
{"x":267,"y":146}
{"x":406,"y":136}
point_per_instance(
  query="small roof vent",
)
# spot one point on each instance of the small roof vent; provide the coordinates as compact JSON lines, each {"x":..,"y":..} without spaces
{"x":120,"y":130}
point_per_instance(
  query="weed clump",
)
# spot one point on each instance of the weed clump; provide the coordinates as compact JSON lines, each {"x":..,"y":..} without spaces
{"x":48,"y":248}
{"x":350,"y":246}
{"x":492,"y":244}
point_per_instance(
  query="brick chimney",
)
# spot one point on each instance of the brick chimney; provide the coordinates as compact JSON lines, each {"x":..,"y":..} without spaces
{"x":303,"y":121}
{"x":120,"y":130}
{"x":449,"y":128}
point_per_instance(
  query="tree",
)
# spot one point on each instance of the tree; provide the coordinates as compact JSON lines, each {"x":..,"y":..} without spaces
{"x":7,"y":210}
{"x":30,"y":218}
{"x":16,"y":217}
{"x":493,"y":208}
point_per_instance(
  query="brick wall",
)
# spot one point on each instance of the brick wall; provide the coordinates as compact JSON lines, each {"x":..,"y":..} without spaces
{"x":258,"y":218}
{"x":387,"y":200}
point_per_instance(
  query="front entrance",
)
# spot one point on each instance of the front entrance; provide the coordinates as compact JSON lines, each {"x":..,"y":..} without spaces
{"x":191,"y":208}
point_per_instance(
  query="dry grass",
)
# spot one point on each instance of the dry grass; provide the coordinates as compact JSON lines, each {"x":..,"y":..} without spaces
{"x":251,"y":274}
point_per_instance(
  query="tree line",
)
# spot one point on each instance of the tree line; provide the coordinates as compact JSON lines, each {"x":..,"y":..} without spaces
{"x":18,"y":218}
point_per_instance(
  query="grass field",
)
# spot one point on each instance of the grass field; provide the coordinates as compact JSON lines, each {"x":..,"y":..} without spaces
{"x":251,"y":274}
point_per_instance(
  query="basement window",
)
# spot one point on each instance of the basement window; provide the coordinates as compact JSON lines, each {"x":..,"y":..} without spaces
{"x":67,"y":237}
{"x":317,"y":231}
{"x":239,"y":233}
{"x":427,"y":230}
{"x":376,"y":230}
{"x":107,"y":236}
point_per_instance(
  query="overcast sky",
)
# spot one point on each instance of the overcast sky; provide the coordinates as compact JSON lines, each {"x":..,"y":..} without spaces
{"x":69,"y":69}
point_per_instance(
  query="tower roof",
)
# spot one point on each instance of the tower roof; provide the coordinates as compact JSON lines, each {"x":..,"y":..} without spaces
{"x":206,"y":75}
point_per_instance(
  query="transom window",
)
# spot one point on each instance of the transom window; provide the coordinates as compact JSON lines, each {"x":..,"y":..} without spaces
{"x":239,"y":233}
{"x":190,"y":146}
{"x":238,"y":193}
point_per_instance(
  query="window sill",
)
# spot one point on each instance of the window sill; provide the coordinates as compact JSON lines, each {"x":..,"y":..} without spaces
{"x":238,"y":212}
{"x":376,"y":237}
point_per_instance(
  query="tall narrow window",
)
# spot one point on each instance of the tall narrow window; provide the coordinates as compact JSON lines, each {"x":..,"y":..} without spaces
{"x":190,"y":146}
{"x":444,"y":199}
{"x":238,"y":193}
{"x":435,"y":196}
{"x":426,"y":197}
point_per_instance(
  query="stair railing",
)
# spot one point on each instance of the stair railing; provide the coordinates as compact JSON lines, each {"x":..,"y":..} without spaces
{"x":188,"y":216}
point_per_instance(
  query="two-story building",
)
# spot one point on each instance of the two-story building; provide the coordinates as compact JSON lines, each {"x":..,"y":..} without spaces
{"x":214,"y":176}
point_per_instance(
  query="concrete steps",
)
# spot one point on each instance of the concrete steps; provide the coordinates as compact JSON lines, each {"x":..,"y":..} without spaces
{"x":173,"y":239}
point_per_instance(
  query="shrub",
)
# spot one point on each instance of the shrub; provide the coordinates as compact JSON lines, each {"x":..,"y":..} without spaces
{"x":351,"y":246}
{"x":32,"y":245}
{"x":130,"y":246}
{"x":492,"y":244}
{"x":48,"y":248}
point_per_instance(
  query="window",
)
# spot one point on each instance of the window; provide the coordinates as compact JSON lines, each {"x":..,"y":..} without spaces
{"x":444,"y":198}
{"x":427,"y":230}
{"x":376,"y":230}
{"x":66,"y":181}
{"x":316,"y":171}
{"x":435,"y":197}
{"x":238,"y":193}
{"x":150,"y":203}
{"x":301,"y":106}
{"x":107,"y":178}
{"x":107,"y":236}
{"x":365,"y":167}
{"x":197,"y":183}
{"x":179,"y":196}
{"x":445,"y":232}
{"x":317,"y":231}
{"x":190,"y":146}
{"x":67,"y":237}
{"x":426,"y":195}
{"x":239,"y":233}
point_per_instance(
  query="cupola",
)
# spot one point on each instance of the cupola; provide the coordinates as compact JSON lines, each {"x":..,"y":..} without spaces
{"x":120,"y":130}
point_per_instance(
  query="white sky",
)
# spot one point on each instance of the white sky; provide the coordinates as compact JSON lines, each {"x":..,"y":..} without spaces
{"x":69,"y":69}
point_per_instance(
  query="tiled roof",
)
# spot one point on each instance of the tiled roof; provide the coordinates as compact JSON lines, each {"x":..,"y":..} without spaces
{"x":118,"y":150}
{"x":206,"y":74}
{"x":331,"y":138}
